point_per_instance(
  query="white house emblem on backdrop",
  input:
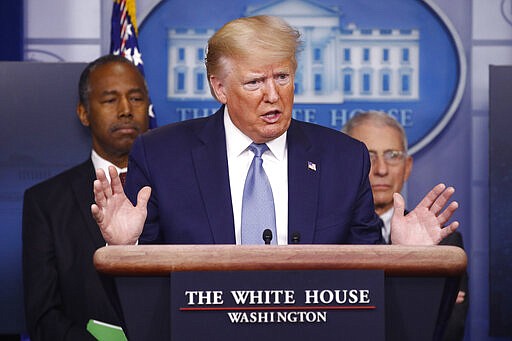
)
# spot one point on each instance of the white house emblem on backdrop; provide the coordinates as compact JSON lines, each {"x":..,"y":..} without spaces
{"x":400,"y":56}
{"x":506,"y":10}
{"x":338,"y":63}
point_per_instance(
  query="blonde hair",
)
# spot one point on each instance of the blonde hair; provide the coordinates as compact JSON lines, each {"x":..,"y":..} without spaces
{"x":262,"y":36}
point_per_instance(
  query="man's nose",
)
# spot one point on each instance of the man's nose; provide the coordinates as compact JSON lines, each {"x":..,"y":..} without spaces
{"x":379,"y":166}
{"x":125,"y":108}
{"x":271,"y":93}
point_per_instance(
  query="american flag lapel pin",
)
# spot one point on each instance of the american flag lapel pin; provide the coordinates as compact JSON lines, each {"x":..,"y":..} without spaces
{"x":312,"y":166}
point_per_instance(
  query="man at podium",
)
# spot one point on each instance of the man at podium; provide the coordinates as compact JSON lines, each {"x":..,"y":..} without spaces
{"x":204,"y":181}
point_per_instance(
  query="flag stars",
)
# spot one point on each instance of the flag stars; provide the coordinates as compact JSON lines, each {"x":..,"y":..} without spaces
{"x":136,"y":57}
{"x":127,"y":53}
{"x":128,"y":32}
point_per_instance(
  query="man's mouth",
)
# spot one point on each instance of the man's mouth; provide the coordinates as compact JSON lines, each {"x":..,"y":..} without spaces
{"x":125,"y":128}
{"x":271,"y":116}
{"x":380,"y":187}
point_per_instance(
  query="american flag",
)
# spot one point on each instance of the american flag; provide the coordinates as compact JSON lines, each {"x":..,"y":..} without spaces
{"x":123,"y":39}
{"x":312,"y":166}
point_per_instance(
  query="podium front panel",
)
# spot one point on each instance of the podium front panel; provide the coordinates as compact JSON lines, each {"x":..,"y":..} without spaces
{"x":277,"y":305}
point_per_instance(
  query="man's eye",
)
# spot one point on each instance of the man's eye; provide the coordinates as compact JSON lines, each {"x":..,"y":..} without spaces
{"x":394,"y":155}
{"x":253,"y":82}
{"x":283,"y":79}
{"x":252,"y":85}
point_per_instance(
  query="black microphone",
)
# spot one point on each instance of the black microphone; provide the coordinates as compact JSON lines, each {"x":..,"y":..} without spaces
{"x":267,"y":236}
{"x":295,"y":238}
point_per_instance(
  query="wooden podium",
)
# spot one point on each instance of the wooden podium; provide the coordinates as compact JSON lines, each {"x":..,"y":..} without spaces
{"x":421,"y":283}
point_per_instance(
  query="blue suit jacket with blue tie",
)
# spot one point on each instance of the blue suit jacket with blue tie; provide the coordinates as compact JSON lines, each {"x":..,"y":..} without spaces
{"x":186,"y":166}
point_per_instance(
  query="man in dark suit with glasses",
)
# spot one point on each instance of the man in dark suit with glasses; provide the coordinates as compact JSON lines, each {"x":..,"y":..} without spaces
{"x":391,"y":166}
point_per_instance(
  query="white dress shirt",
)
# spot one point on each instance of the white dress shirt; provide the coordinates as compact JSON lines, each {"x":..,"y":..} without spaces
{"x":275,"y":164}
{"x":386,"y":229}
{"x":99,"y":162}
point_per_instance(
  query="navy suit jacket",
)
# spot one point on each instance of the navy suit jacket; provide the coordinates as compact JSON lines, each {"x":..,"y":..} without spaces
{"x":186,"y":166}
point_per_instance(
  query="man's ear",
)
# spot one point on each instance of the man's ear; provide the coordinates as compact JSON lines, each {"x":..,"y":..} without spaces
{"x":82,"y":114}
{"x":408,"y":167}
{"x":218,"y":89}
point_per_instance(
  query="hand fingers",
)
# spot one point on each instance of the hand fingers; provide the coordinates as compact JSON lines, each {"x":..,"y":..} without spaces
{"x":447,"y":213}
{"x":143,"y":197}
{"x":446,"y":231}
{"x":429,"y":199}
{"x":115,"y":181}
{"x":100,"y":174}
{"x":398,"y":204}
{"x":105,"y":185}
{"x":96,"y":213}
{"x":441,"y":200}
{"x":99,"y":194}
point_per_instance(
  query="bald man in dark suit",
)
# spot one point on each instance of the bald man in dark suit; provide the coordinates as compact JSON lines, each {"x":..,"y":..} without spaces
{"x":62,"y":289}
{"x":390,"y":169}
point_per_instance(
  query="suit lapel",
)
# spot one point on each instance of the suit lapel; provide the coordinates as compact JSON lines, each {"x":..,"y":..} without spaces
{"x":211,"y":166}
{"x":83,"y":194}
{"x":303,"y":182}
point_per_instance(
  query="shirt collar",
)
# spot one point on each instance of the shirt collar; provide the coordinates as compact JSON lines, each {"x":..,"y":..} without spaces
{"x":99,"y":162}
{"x":387,"y":215}
{"x":237,"y":142}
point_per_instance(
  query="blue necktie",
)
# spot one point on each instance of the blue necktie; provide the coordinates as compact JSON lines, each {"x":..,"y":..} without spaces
{"x":258,"y":213}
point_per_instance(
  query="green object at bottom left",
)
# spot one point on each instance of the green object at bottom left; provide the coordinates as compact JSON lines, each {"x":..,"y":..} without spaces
{"x":105,"y":332}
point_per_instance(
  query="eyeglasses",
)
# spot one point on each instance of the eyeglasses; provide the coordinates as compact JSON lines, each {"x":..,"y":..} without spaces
{"x":391,"y":157}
